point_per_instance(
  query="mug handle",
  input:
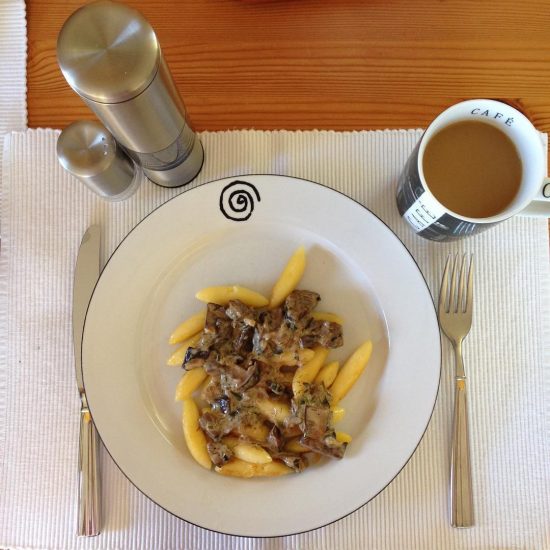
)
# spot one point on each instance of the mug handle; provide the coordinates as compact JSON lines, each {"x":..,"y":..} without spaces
{"x":539,"y":207}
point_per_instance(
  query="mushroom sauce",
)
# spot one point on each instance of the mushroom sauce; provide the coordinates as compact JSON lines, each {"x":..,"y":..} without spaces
{"x":251,"y":356}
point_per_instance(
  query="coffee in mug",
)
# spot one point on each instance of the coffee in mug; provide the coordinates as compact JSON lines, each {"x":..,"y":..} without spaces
{"x":478,"y":163}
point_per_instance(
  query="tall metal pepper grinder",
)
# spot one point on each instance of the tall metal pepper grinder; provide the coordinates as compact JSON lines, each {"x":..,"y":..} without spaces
{"x":111,"y":57}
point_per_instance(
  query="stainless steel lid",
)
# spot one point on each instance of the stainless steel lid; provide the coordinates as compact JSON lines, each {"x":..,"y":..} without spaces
{"x":88,"y":151}
{"x":108,"y":52}
{"x":86,"y":148}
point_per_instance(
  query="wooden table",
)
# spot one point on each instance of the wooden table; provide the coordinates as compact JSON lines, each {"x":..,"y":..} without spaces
{"x":340,"y":64}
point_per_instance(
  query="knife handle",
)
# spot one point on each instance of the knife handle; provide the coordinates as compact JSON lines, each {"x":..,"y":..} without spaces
{"x":89,"y":515}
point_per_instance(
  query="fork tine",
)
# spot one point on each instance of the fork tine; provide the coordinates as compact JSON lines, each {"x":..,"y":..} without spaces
{"x":453,"y":300}
{"x":443,"y":291}
{"x":470,"y":290}
{"x":462,"y":290}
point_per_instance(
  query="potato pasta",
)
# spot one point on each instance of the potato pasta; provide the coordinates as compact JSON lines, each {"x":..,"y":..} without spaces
{"x":260,"y":397}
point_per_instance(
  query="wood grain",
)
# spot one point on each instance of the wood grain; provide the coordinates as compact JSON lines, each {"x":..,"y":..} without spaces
{"x":303,"y":64}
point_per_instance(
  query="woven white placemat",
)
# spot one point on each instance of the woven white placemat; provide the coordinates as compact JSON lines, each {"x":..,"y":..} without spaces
{"x":44,"y":214}
{"x":13,"y":59}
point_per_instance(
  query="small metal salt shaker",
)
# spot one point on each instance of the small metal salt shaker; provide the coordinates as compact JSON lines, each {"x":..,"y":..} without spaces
{"x":87,"y":150}
{"x":111,"y":57}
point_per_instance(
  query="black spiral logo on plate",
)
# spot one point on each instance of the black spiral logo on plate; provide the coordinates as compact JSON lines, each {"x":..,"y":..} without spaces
{"x":237,"y":200}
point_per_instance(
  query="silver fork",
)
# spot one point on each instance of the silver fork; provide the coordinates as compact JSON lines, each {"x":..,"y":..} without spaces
{"x":455,"y":318}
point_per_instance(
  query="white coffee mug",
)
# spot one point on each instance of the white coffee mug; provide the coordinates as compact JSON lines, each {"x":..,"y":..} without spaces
{"x":431,"y":219}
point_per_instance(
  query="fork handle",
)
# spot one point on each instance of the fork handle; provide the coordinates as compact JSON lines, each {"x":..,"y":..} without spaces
{"x":462,"y":511}
{"x":88,"y":478}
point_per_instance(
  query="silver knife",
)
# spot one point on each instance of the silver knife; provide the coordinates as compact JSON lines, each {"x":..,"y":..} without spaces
{"x":85,"y":278}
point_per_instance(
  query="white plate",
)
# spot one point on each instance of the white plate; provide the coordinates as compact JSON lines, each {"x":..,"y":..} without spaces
{"x":362,"y":272}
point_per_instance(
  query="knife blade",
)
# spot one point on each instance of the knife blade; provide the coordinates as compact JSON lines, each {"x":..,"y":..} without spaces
{"x":86,"y":275}
{"x":85,"y":278}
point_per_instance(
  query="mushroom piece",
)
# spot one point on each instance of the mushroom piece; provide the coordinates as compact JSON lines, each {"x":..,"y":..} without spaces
{"x":322,"y":333}
{"x":219,"y":452}
{"x":316,"y":422}
{"x":216,"y":424}
{"x":275,"y":440}
{"x":195,"y":358}
{"x":328,"y":446}
{"x":299,"y":305}
{"x":237,"y":311}
{"x":297,"y":462}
